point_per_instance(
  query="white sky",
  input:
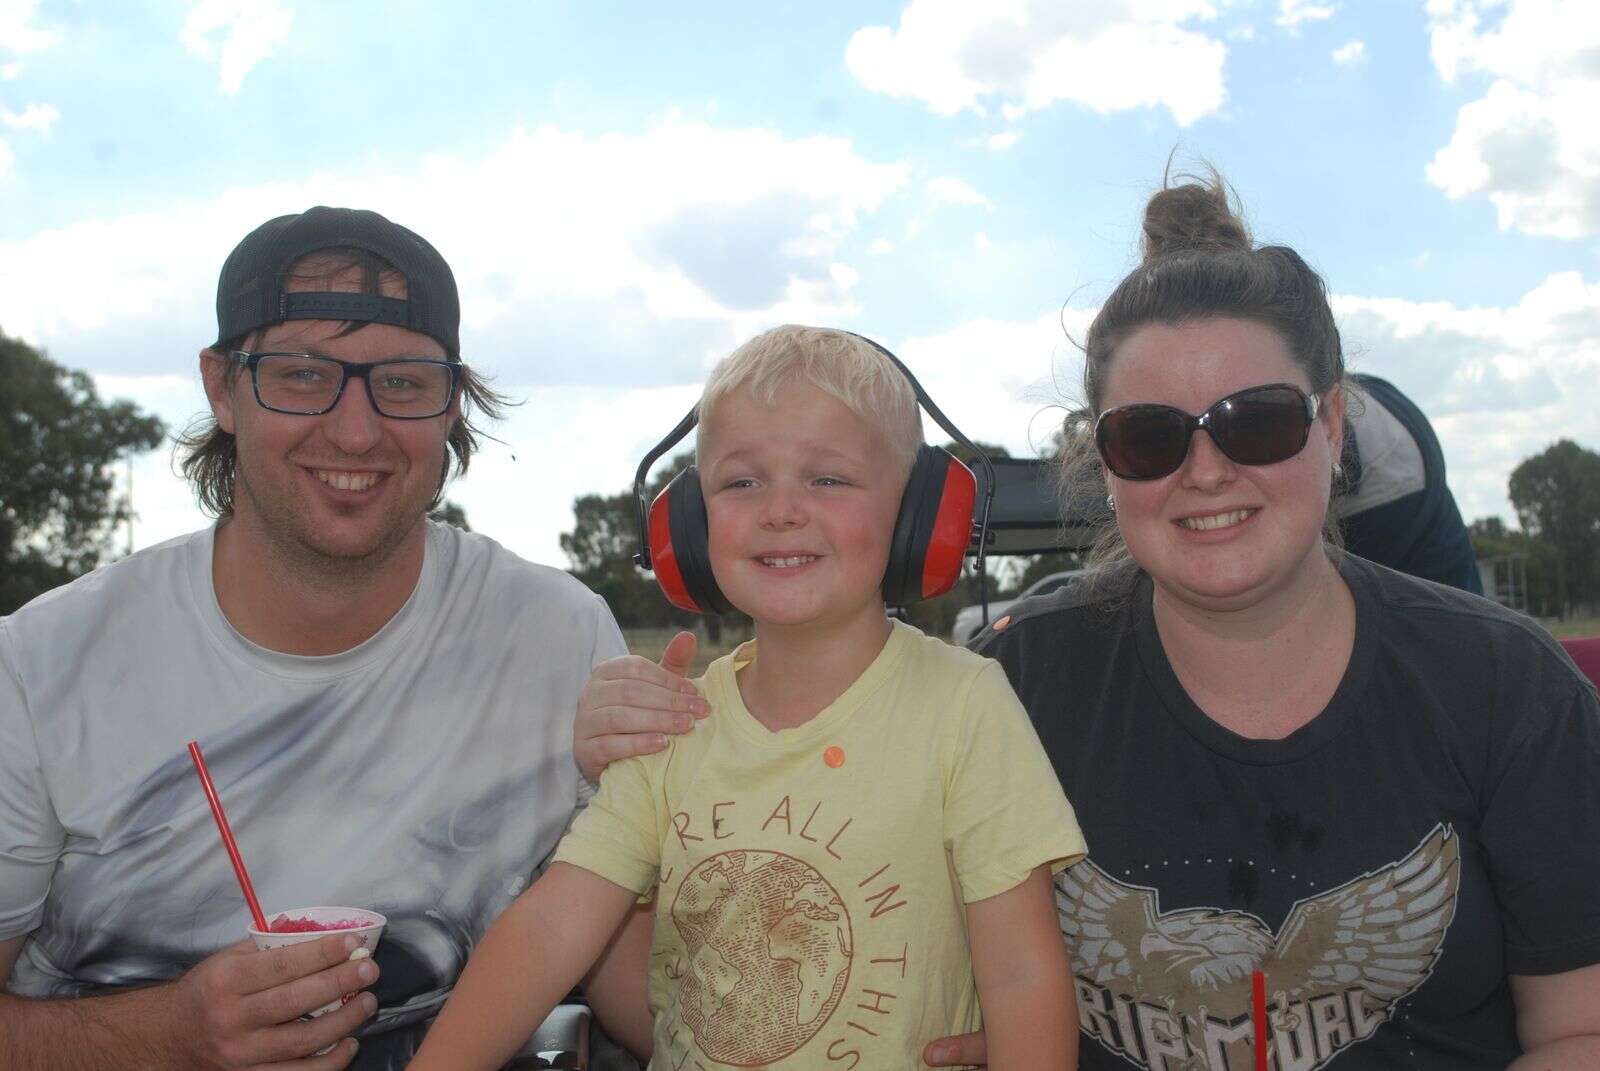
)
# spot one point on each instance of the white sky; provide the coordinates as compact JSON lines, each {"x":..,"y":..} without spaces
{"x":627,"y":193}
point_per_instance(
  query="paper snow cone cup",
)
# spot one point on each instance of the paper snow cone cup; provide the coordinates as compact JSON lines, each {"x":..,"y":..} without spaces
{"x":310,"y":923}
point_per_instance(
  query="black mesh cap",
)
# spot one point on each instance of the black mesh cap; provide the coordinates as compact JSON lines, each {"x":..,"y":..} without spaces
{"x":250,"y":292}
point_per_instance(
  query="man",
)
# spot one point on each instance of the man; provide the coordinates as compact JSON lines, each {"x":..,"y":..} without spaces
{"x":385,"y":703}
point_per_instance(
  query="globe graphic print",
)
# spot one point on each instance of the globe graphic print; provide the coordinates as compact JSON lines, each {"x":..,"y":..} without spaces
{"x":767,"y":948}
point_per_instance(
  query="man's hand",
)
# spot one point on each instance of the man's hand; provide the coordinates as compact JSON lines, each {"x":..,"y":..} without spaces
{"x":631,"y":703}
{"x":239,"y":1008}
{"x":963,"y":1050}
{"x":242,"y":1006}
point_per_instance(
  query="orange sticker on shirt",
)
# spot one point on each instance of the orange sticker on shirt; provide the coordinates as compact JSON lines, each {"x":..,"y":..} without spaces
{"x":834,"y":757}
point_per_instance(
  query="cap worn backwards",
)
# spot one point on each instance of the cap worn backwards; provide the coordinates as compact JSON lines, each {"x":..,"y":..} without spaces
{"x":251,"y":293}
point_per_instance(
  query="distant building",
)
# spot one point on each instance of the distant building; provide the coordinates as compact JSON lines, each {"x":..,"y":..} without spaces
{"x":1505,"y":580}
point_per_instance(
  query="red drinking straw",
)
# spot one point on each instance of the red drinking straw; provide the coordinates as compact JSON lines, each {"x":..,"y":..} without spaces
{"x":1258,"y":1012}
{"x":227,"y":836}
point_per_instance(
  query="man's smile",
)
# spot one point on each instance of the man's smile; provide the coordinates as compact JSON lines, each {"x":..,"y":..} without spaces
{"x":347,"y":480}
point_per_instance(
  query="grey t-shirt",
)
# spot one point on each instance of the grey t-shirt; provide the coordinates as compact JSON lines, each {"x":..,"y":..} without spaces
{"x":425,"y":774}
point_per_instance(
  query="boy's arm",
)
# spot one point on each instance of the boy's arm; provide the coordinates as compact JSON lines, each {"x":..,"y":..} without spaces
{"x":618,"y":988}
{"x":1019,"y":962}
{"x":531,"y":957}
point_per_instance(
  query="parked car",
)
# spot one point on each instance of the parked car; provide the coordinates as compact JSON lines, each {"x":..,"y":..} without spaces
{"x":969,"y":619}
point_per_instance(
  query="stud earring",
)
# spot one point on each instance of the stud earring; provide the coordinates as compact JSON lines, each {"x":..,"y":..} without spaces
{"x":1111,"y":503}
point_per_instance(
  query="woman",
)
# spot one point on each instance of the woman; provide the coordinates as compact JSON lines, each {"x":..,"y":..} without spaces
{"x":1381,"y":794}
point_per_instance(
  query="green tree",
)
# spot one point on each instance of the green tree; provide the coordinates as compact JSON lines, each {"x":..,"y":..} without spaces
{"x":1489,"y":528}
{"x":1557,"y":498}
{"x":58,"y":445}
{"x":451,"y":513}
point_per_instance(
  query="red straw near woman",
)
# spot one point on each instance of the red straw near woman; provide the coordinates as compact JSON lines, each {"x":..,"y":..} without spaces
{"x":1258,"y":1013}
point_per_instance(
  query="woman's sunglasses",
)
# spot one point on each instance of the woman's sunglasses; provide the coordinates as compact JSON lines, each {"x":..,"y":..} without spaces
{"x":1257,"y":426}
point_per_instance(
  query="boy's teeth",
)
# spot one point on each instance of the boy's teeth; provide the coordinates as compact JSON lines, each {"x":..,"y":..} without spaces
{"x":789,"y":563}
{"x":347,"y":481}
{"x":1220,"y":520}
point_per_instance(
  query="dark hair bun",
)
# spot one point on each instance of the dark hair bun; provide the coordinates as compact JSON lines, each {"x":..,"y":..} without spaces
{"x":1193,"y":217}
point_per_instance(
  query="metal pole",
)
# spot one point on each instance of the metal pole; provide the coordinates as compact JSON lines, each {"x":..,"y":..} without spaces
{"x":130,"y":501}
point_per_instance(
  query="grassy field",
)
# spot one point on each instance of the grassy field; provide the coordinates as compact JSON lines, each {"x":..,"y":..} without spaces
{"x":1573,"y":627}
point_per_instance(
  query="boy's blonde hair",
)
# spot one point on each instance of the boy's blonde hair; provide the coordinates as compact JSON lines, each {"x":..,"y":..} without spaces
{"x":838,"y":363}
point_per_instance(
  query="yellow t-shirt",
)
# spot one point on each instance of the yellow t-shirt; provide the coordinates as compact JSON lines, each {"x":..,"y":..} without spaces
{"x":812,"y":882}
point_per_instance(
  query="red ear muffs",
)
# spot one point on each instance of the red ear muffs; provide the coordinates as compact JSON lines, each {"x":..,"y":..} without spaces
{"x":931,"y":534}
{"x":680,"y":547}
{"x":933,"y":529}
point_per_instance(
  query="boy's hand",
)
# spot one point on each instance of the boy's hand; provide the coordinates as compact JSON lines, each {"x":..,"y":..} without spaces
{"x":630,"y":703}
{"x":963,"y":1050}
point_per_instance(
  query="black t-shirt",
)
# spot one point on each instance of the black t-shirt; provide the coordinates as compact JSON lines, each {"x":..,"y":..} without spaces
{"x":1435,"y":829}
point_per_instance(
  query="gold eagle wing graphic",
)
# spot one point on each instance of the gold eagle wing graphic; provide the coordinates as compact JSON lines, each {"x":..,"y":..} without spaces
{"x":1382,"y":931}
{"x":1372,"y":941}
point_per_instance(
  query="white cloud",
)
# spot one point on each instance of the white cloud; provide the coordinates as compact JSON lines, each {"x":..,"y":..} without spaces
{"x":956,"y":191}
{"x":1002,"y":381}
{"x":604,"y":431}
{"x":1292,"y":14}
{"x":599,"y":299}
{"x":1112,"y":56}
{"x":1499,"y":384}
{"x":163,"y":505}
{"x":879,"y":247}
{"x":571,"y":270}
{"x":250,"y":30}
{"x":1351,"y":52}
{"x":20,"y":34}
{"x":1530,"y":143}
{"x":34,"y":117}
{"x":18,"y":31}
{"x":1004,"y":140}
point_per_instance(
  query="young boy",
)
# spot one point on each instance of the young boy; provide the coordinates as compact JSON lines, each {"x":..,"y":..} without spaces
{"x":854,"y":851}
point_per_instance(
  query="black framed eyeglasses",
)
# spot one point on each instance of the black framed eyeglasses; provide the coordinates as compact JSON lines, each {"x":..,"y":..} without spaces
{"x":304,"y":384}
{"x":1256,"y":426}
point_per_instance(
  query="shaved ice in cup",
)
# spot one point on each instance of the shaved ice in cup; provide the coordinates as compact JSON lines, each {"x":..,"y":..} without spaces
{"x":287,"y":923}
{"x":302,"y":924}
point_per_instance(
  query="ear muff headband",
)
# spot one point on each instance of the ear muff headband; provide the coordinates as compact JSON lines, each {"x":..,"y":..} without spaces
{"x":933,"y":529}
